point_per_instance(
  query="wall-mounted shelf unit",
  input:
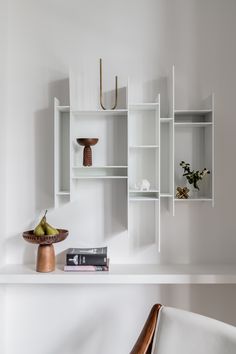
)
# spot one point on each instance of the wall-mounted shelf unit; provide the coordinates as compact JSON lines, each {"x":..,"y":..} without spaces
{"x":135,"y":144}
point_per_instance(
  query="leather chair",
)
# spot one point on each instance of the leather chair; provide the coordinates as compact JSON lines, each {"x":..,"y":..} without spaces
{"x":172,"y":331}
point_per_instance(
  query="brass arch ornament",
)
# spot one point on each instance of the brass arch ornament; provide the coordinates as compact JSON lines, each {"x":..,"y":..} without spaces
{"x":116,"y":89}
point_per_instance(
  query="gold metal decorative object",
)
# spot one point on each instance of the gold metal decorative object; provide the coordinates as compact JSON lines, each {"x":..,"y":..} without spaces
{"x":182,"y":193}
{"x":116,"y":89}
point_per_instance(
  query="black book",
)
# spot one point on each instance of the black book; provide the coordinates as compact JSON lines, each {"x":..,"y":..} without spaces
{"x":86,"y":256}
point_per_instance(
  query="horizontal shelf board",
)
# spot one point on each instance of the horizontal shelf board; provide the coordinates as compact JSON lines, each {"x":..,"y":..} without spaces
{"x":123,"y":274}
{"x":144,"y":146}
{"x":63,"y":193}
{"x":193,"y":124}
{"x":139,"y":191}
{"x":99,"y":167}
{"x":99,"y":112}
{"x":192,"y":112}
{"x":143,"y":106}
{"x":200,"y":199}
{"x":166,"y":195}
{"x":143,"y":199}
{"x":166,"y":120}
{"x":63,"y":108}
{"x":100,"y":177}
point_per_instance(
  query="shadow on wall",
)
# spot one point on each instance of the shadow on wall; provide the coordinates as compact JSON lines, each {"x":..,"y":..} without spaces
{"x":44,"y":145}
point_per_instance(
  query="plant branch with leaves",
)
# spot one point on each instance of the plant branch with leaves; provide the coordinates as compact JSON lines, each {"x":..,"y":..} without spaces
{"x":193,"y":177}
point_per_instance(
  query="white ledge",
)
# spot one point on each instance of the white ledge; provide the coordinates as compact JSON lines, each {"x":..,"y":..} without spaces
{"x":123,"y":274}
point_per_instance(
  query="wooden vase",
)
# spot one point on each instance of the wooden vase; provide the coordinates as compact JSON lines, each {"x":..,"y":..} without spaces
{"x":46,"y":260}
{"x":87,"y":154}
{"x":46,"y":255}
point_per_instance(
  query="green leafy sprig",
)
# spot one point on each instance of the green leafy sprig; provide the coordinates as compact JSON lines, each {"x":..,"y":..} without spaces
{"x":193,"y":177}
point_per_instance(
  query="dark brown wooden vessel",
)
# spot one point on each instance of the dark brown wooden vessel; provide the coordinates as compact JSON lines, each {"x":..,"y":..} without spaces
{"x":87,"y":155}
{"x":46,"y":260}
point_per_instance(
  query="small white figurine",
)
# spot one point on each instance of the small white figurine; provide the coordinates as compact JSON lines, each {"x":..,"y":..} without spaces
{"x":145,"y":185}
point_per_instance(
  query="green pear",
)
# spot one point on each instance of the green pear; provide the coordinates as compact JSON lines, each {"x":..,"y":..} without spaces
{"x":39,"y":230}
{"x":49,"y":230}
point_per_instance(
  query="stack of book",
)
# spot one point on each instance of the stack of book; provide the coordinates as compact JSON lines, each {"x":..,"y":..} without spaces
{"x":86,"y":260}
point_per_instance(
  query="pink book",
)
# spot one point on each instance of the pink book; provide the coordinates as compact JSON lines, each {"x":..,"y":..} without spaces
{"x":86,"y":268}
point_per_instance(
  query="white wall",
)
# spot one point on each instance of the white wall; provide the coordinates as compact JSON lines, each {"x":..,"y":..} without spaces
{"x":143,"y":39}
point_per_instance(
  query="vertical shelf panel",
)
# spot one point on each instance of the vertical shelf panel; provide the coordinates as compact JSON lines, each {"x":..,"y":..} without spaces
{"x":158,"y":174}
{"x":172,"y":140}
{"x":167,"y":148}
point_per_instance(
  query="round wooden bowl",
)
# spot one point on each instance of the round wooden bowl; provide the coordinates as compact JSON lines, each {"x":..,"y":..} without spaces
{"x":87,"y":141}
{"x":45,"y":239}
{"x":46,"y":259}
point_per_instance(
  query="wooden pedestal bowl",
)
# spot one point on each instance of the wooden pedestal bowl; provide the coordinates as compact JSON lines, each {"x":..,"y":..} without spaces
{"x":46,"y":255}
{"x":87,"y":143}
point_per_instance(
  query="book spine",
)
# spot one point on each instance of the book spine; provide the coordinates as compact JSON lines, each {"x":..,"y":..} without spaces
{"x":88,"y":268}
{"x":86,"y":259}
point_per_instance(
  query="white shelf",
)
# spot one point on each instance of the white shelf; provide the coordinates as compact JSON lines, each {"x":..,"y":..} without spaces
{"x":193,"y":124}
{"x":97,"y":167}
{"x":200,"y":199}
{"x":99,"y":112}
{"x":143,"y":199}
{"x":144,"y":146}
{"x":143,"y":106}
{"x":166,"y":195}
{"x":139,"y":191}
{"x":100,"y":177}
{"x":123,"y":274}
{"x":63,"y":193}
{"x":198,"y":112}
{"x":166,"y":120}
{"x":63,"y":108}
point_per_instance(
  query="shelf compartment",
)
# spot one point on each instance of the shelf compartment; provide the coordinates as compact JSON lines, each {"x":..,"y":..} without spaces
{"x":166,"y":154}
{"x":62,"y":153}
{"x":99,"y":171}
{"x":144,"y":221}
{"x":144,"y":165}
{"x":144,"y":128}
{"x":193,"y":116}
{"x":195,"y":146}
{"x":111,"y":149}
